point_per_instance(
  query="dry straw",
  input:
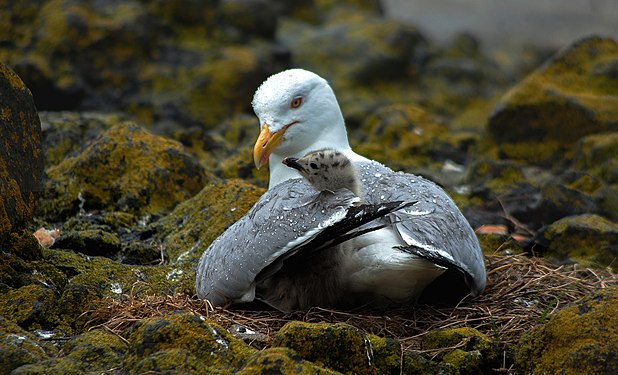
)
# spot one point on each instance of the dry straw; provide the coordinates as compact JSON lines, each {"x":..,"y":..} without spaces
{"x":521,"y":293}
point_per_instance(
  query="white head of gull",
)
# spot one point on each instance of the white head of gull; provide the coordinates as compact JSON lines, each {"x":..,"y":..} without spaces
{"x":299,"y":247}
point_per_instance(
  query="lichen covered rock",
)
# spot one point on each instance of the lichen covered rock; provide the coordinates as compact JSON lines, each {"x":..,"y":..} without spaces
{"x":580,"y":339}
{"x":183,"y":342}
{"x":125,"y":168}
{"x":473,"y":352}
{"x":94,"y":351}
{"x":596,"y":154}
{"x":21,"y":156}
{"x":281,"y":361}
{"x":341,"y":347}
{"x":65,"y":133}
{"x":571,"y":96}
{"x":588,"y":239}
{"x":19,"y":347}
{"x":408,"y":138}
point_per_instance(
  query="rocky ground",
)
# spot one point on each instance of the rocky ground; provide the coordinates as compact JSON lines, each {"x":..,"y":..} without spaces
{"x":133,"y":153}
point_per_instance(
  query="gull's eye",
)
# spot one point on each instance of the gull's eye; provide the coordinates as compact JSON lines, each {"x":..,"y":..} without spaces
{"x":296,"y":102}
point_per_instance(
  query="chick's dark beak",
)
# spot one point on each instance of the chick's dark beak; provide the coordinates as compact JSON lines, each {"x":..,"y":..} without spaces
{"x":293,"y":163}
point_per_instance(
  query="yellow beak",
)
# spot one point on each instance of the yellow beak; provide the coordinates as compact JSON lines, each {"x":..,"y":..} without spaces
{"x":265,"y":145}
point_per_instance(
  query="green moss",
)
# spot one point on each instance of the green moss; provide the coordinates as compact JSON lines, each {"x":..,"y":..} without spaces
{"x":177,"y":361}
{"x":29,"y":306}
{"x":497,"y":176}
{"x":18,"y":347}
{"x":21,"y":157}
{"x":403,"y":135}
{"x":473,"y":351}
{"x":497,"y":243}
{"x":92,"y":352}
{"x":545,"y":153}
{"x":83,"y":282}
{"x":240,"y":165}
{"x":195,"y":223}
{"x":340,"y":347}
{"x":280,"y":361}
{"x":566,"y":99}
{"x":178,"y":336}
{"x":24,"y":245}
{"x":414,"y":363}
{"x":587,"y":239}
{"x":580,"y":339}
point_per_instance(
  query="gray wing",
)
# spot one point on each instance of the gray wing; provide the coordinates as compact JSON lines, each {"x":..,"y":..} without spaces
{"x":288,"y":219}
{"x":433,"y":228}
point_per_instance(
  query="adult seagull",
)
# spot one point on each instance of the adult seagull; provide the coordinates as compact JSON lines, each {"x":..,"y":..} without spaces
{"x":298,"y":247}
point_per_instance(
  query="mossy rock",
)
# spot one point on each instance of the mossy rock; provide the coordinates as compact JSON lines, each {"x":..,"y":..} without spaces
{"x":408,"y":138}
{"x":90,"y":242}
{"x":596,"y":154}
{"x":587,"y":239}
{"x":75,"y":285}
{"x":91,"y":352}
{"x":21,"y":154}
{"x":499,"y":243}
{"x":167,"y":342}
{"x":355,"y":46}
{"x":415,"y":363}
{"x":198,"y":221}
{"x":29,"y":306}
{"x":19,"y":347}
{"x":23,"y":244}
{"x":567,"y":98}
{"x":341,"y":347}
{"x":126,"y":169}
{"x":579,"y":339}
{"x":281,"y":361}
{"x":491,"y":178}
{"x":474,"y":352}
{"x":65,"y":133}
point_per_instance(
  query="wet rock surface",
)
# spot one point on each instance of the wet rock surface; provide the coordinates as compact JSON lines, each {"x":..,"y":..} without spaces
{"x":142,"y":157}
{"x":21,"y":154}
{"x":577,"y":340}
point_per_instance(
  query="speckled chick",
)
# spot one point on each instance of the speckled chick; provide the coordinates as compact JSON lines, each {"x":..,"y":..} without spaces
{"x":326,"y":169}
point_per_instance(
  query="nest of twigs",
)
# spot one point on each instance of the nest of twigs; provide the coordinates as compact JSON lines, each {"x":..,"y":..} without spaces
{"x":521,"y":293}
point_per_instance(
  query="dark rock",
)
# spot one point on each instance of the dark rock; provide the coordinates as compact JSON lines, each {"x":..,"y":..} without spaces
{"x":193,"y":13}
{"x":21,"y":156}
{"x":353,"y":47}
{"x":166,"y":343}
{"x":281,"y":361}
{"x":19,"y":347}
{"x":561,"y":102}
{"x":91,"y":352}
{"x":125,"y":168}
{"x":459,"y":74}
{"x":579,"y":339}
{"x":341,"y":347}
{"x":405,"y":137}
{"x":65,"y":133}
{"x":28,"y":306}
{"x":252,"y":17}
{"x":90,"y":242}
{"x":589,"y":239}
{"x":475,"y":353}
{"x":54,"y":89}
{"x":596,"y":154}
